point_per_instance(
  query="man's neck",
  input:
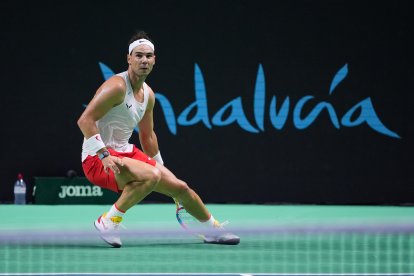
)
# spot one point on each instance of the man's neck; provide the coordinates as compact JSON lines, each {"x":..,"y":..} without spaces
{"x":136,"y":81}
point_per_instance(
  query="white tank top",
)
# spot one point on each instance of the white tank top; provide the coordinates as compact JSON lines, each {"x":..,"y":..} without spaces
{"x":116,"y":126}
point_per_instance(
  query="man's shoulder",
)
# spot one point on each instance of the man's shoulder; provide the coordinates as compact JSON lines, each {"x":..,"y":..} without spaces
{"x":114,"y":88}
{"x":149,"y":88}
{"x":150,"y":91}
{"x":116,"y":82}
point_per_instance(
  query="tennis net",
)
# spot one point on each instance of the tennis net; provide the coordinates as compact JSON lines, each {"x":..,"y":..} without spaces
{"x":373,"y":248}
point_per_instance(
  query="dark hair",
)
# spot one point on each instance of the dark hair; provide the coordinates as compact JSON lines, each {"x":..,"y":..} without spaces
{"x":138,"y":35}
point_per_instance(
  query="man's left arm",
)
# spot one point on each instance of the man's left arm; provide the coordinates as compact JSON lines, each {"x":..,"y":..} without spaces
{"x":147,"y":136}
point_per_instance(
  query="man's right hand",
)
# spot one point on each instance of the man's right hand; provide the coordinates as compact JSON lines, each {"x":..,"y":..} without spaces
{"x":111,"y":163}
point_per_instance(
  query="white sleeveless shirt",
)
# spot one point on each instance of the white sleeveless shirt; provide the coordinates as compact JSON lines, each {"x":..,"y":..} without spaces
{"x":116,"y":126}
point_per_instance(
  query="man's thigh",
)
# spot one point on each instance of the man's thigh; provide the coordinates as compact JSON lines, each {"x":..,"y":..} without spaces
{"x":133,"y":170}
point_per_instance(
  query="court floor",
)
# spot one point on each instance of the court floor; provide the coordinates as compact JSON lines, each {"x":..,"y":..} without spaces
{"x":275,"y":240}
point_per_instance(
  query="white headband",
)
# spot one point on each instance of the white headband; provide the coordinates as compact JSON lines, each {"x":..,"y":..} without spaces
{"x":141,"y":41}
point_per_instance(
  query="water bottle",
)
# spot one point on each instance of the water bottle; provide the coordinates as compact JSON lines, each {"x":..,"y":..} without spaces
{"x":20,"y":190}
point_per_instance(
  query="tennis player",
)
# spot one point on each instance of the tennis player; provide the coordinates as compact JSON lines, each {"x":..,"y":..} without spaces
{"x":108,"y":159}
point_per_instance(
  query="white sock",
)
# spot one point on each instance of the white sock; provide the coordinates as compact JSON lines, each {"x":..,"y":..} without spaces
{"x":210,"y":222}
{"x":115,"y":212}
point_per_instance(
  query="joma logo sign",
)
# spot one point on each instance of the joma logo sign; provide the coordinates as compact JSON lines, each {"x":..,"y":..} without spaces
{"x":80,"y":191}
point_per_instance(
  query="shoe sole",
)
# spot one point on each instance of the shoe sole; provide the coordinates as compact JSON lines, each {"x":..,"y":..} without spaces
{"x":234,"y":241}
{"x":115,"y":245}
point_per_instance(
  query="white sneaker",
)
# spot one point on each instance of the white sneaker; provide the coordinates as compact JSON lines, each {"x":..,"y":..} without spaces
{"x":220,"y":236}
{"x":109,"y":229}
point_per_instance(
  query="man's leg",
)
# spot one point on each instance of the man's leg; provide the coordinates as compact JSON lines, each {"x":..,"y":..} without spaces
{"x":178,"y":189}
{"x":171,"y":186}
{"x":136,"y":180}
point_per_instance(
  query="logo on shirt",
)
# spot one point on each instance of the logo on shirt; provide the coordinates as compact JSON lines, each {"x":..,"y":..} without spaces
{"x":128,"y":106}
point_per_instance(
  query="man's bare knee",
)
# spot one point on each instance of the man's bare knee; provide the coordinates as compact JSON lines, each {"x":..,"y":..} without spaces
{"x":182,"y":190}
{"x":154,"y":176}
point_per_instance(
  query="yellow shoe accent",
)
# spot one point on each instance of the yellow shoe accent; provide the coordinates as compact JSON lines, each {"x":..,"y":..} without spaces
{"x":219,"y":225}
{"x":116,"y":219}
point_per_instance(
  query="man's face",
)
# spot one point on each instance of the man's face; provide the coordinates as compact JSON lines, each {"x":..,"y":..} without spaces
{"x":141,"y":60}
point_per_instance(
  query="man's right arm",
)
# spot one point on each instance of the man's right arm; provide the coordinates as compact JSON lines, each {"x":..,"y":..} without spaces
{"x":110,"y":94}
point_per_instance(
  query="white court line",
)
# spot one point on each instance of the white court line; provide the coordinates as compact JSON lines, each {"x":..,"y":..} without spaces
{"x":208,"y":274}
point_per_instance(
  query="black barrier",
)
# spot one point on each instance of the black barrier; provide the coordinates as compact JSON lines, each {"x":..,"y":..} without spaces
{"x":260,"y":101}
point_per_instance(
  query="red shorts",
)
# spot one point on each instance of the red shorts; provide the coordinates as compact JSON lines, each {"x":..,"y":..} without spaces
{"x":94,"y":170}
